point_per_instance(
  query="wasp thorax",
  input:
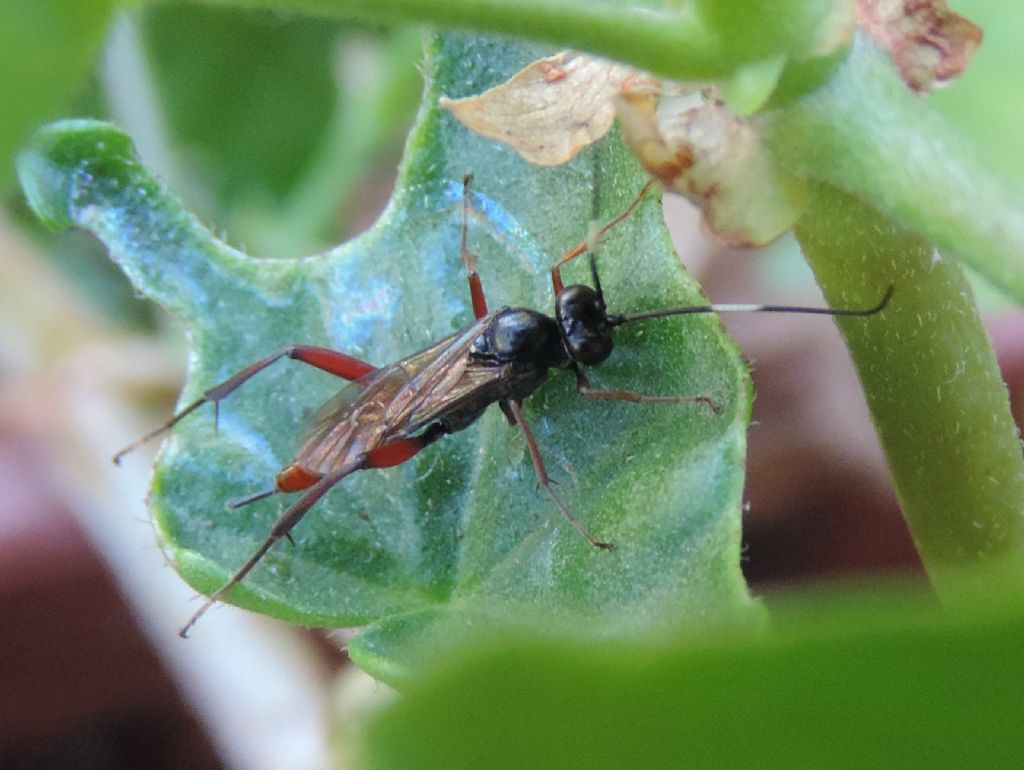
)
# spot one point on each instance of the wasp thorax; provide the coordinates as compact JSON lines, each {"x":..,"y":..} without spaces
{"x":583,"y":319}
{"x":522,"y":335}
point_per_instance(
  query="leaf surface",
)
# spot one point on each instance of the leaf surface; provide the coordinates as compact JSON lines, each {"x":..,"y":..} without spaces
{"x":460,"y":534}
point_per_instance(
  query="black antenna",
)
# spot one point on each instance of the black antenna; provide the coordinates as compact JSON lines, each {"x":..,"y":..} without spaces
{"x":593,"y":273}
{"x":618,"y":320}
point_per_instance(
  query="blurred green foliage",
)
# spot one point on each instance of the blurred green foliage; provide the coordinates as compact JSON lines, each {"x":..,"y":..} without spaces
{"x":248,"y":95}
{"x":987,"y":102}
{"x":265,"y":123}
{"x":47,"y":49}
{"x":874,"y":678}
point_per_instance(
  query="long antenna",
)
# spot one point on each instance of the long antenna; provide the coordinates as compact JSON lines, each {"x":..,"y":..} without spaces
{"x":594,"y":238}
{"x":618,"y":320}
{"x":594,"y":275}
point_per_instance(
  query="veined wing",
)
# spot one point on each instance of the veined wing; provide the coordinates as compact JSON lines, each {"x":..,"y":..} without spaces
{"x":442,"y":379}
{"x":398,"y":400}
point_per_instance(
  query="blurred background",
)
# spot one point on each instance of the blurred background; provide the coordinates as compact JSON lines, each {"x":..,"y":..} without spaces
{"x":284,"y":134}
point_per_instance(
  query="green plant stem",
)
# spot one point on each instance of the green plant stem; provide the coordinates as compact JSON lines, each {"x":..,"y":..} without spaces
{"x":866,"y":133}
{"x":932,"y":384}
{"x":686,"y":43}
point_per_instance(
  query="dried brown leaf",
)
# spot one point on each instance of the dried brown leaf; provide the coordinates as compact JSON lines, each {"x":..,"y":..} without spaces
{"x":552,"y":108}
{"x":929,"y":43}
{"x":684,"y":136}
{"x":693,"y":144}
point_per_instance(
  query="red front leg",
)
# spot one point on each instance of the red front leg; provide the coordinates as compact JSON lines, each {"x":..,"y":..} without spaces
{"x":331,"y":361}
{"x":592,"y":240}
{"x":476,"y":288}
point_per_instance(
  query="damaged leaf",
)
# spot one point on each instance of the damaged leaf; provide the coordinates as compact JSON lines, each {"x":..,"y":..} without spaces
{"x":683,"y":136}
{"x":929,"y":43}
{"x":552,"y":108}
{"x":694,"y":145}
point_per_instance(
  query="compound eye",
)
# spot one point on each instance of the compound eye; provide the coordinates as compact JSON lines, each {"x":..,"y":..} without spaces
{"x":583,"y":320}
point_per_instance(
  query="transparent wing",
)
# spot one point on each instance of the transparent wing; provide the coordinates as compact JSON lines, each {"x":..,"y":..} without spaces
{"x":398,"y":400}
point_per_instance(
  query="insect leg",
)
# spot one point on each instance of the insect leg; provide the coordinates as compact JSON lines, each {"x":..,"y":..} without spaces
{"x":281,"y":528}
{"x":584,"y":389}
{"x":331,"y":361}
{"x":542,"y":478}
{"x":295,"y":478}
{"x":507,"y":411}
{"x":292,"y":478}
{"x":476,"y":288}
{"x":593,"y":239}
{"x":238,"y":502}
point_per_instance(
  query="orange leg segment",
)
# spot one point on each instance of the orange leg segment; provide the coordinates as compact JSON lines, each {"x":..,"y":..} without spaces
{"x":587,"y":245}
{"x":282,"y":527}
{"x":476,"y":288}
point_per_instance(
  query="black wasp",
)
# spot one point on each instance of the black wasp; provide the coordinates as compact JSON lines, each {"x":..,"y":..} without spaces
{"x":388,"y":414}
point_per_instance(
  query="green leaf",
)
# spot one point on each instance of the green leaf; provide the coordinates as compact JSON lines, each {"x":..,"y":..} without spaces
{"x":274,"y":146}
{"x":249,"y":93}
{"x":875,"y":679}
{"x":460,"y":533}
